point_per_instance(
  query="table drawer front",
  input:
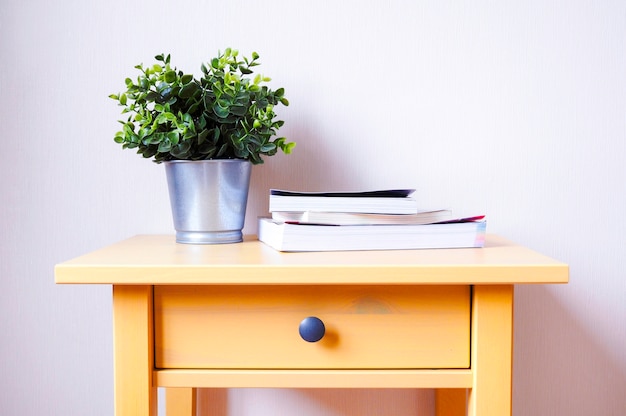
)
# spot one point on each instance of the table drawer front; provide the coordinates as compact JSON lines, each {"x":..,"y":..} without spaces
{"x":366,"y":326}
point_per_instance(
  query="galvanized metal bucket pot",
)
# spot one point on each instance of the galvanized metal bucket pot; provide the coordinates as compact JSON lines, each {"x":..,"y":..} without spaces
{"x":208,"y":199}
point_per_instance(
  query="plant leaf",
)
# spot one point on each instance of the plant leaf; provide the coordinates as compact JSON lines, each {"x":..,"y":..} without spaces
{"x":202,"y":136}
{"x":173,"y":137}
{"x":170,"y":76}
{"x":222,"y":150}
{"x":188,"y":90}
{"x":220,"y":111}
{"x":238,"y":110}
{"x":268,"y":147}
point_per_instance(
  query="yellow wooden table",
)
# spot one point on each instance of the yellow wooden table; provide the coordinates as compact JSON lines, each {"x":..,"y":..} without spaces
{"x":191,"y":316}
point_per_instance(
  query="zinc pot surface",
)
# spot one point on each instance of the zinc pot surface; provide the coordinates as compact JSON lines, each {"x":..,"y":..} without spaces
{"x":208,"y":199}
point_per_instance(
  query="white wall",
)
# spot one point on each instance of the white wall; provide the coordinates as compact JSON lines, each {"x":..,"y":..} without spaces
{"x":515,"y":108}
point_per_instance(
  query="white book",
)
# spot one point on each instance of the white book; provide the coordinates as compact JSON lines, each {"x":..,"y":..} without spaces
{"x":351,"y":218}
{"x":298,"y":237}
{"x":371,"y":202}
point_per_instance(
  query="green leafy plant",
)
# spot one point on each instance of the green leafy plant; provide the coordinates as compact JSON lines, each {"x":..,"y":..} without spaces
{"x":228,"y":113}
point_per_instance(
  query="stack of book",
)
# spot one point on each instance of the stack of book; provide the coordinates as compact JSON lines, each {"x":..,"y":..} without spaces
{"x":376,"y":220}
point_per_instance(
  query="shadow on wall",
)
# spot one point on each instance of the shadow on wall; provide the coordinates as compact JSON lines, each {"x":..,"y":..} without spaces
{"x":553,"y":349}
{"x":311,"y":167}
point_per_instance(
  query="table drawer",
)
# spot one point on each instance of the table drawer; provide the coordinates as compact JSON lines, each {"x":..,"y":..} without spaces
{"x":256,"y":327}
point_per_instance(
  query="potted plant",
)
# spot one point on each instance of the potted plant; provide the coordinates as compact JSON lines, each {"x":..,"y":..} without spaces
{"x":208,"y":131}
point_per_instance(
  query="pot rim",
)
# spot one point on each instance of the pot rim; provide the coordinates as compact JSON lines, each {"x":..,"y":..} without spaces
{"x":208,"y":161}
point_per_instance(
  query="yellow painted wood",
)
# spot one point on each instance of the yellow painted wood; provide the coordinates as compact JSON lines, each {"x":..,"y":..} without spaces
{"x":366,"y":326}
{"x":180,"y":401}
{"x":157,"y":260}
{"x":450,"y":402}
{"x":133,"y":351}
{"x":315,"y":378}
{"x":492,"y":346}
{"x":407,"y":303}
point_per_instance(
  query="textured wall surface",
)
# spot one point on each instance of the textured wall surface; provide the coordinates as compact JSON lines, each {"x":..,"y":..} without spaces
{"x":517,"y":109}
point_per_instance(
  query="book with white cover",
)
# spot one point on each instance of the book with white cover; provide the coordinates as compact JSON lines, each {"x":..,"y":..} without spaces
{"x":299,"y":237}
{"x":395,"y":201}
{"x":352,"y":218}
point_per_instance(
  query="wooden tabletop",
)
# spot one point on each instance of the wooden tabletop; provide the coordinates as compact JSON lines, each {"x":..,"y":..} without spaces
{"x":159,"y":260}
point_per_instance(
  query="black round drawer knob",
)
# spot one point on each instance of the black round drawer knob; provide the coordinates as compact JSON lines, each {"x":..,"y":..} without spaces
{"x":312,"y":329}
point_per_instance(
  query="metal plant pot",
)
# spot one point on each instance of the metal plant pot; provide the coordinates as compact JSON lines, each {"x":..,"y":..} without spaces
{"x":208,"y":199}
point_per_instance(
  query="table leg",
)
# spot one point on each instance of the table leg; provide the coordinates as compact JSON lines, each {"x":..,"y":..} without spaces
{"x":451,"y":402}
{"x":133,"y":351}
{"x":180,"y":401}
{"x":491,"y":350}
